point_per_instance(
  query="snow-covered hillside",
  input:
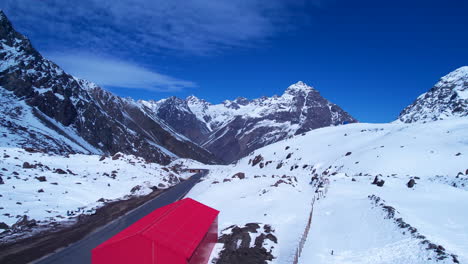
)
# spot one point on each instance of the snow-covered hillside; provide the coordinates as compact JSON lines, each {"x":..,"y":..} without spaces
{"x":51,"y":188}
{"x":447,"y":99}
{"x":361,"y":222}
{"x":19,"y":127}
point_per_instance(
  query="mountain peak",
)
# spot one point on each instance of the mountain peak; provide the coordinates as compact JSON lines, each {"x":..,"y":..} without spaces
{"x":192,"y":99}
{"x":447,"y":99}
{"x":5,"y":25}
{"x":2,"y":15}
{"x":299,"y":87}
{"x":458,"y":74}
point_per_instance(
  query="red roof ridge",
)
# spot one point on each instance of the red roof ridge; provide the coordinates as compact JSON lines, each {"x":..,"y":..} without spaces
{"x":167,"y":241}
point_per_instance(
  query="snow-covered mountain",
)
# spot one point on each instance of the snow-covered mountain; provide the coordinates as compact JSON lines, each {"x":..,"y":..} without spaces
{"x":381,"y":193}
{"x":235,"y":128}
{"x":448,"y":98}
{"x":45,"y":108}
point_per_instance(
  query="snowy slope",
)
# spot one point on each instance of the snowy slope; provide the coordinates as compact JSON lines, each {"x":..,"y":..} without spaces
{"x":348,"y":220}
{"x":20,"y":127}
{"x":45,"y":187}
{"x":447,"y":99}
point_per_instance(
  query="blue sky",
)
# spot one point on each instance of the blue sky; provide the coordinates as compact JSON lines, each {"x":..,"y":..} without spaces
{"x":370,"y":57}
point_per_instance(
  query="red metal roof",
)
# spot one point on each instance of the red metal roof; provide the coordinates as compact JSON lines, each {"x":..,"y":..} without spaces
{"x":179,"y":227}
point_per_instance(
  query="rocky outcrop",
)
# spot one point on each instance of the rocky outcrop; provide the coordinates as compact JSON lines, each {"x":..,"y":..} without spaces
{"x":447,"y":99}
{"x":237,"y":244}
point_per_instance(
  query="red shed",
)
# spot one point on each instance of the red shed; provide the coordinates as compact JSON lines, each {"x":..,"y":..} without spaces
{"x":183,"y":232}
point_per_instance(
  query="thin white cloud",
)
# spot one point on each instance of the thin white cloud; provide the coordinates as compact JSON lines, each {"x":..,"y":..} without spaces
{"x":109,"y":72}
{"x":193,"y":26}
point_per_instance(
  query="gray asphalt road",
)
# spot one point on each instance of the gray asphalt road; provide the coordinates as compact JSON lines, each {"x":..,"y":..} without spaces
{"x":80,"y":252}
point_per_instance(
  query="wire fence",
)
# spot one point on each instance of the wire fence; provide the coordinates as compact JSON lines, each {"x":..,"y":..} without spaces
{"x":300,"y":247}
{"x":320,"y":192}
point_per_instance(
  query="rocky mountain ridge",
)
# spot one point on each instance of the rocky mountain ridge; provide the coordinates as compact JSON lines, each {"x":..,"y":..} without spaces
{"x":234,"y":128}
{"x":88,"y":117}
{"x":448,"y":98}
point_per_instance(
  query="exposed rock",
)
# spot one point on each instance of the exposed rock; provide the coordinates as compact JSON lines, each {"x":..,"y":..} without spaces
{"x":117,"y":156}
{"x":135,"y":189}
{"x":4,"y":226}
{"x":32,"y":150}
{"x":379,"y":182}
{"x":411,"y":183}
{"x":277,"y":183}
{"x":239,"y":175}
{"x":41,"y":178}
{"x":257,"y":160}
{"x":23,"y":223}
{"x":60,"y":171}
{"x":26,"y":165}
{"x":236,"y":245}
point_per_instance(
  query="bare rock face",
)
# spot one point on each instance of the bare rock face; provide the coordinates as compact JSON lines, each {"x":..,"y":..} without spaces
{"x":237,"y":244}
{"x":447,"y":99}
{"x":233,"y":129}
{"x":411,"y":183}
{"x":90,"y":119}
{"x":239,"y":175}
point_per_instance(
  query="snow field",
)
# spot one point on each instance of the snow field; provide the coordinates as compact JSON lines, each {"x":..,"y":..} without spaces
{"x":346,"y":221}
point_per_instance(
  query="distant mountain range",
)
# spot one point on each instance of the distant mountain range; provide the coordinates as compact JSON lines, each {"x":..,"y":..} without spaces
{"x":233,"y":129}
{"x":44,"y":108}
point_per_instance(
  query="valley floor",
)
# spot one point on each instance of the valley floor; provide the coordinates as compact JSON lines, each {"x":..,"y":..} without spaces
{"x":266,"y":198}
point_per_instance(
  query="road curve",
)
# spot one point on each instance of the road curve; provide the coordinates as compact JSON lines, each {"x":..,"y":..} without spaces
{"x":80,"y":252}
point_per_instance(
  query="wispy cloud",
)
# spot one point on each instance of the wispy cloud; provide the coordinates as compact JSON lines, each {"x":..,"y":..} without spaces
{"x":144,"y":31}
{"x":195,"y":26}
{"x":109,"y":72}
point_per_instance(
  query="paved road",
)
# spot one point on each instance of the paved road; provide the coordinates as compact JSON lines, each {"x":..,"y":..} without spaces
{"x":80,"y":252}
